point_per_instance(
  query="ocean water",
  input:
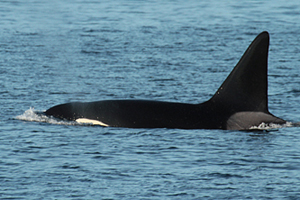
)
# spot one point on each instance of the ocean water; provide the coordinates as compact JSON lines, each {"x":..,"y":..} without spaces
{"x":53,"y":52}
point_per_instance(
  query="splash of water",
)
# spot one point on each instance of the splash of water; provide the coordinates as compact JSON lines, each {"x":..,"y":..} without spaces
{"x":37,"y":116}
{"x":270,"y":126}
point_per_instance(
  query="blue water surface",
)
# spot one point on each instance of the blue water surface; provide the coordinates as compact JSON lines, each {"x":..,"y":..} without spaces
{"x":53,"y":52}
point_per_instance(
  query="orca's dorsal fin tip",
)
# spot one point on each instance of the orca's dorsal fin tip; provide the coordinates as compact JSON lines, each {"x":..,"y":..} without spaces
{"x":264,"y":33}
{"x":246,"y":87}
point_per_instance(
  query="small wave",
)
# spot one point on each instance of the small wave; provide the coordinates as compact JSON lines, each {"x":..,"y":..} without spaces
{"x":270,"y":126}
{"x":33,"y":115}
{"x":296,"y":124}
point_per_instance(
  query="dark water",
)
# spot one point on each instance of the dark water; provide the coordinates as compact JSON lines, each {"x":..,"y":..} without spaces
{"x":53,"y":52}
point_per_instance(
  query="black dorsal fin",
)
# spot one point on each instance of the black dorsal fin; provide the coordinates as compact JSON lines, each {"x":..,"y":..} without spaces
{"x":246,"y":87}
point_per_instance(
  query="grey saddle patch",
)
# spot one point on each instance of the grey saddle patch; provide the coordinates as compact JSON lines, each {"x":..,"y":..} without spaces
{"x":246,"y":120}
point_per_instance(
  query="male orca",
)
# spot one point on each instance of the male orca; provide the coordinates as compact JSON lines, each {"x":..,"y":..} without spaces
{"x":239,"y":104}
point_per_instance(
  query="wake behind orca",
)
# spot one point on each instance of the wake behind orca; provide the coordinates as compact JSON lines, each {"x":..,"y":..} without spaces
{"x":239,"y":104}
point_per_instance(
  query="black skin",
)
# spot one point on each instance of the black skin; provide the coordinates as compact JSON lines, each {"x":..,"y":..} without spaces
{"x":143,"y":114}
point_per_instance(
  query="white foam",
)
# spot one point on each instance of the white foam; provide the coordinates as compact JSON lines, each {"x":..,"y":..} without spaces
{"x":33,"y":116}
{"x":265,"y":126}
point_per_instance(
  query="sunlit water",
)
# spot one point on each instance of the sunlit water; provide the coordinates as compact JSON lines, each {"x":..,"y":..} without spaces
{"x":53,"y":52}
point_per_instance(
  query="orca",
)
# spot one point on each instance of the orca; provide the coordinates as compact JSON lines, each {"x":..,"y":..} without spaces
{"x":240,"y":103}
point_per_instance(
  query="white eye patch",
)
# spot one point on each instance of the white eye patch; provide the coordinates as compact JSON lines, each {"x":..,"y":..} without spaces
{"x":90,"y":121}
